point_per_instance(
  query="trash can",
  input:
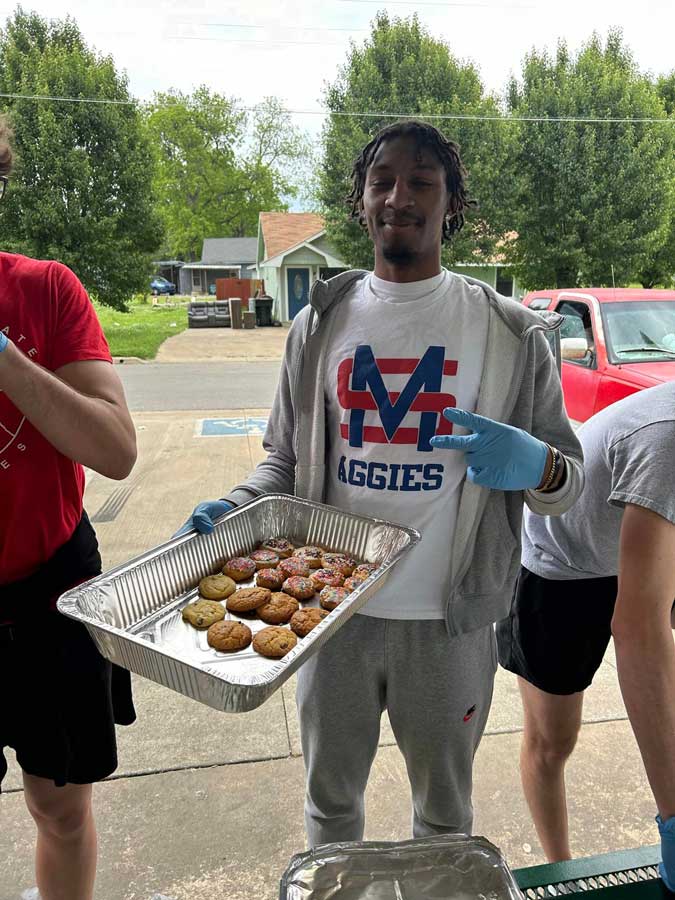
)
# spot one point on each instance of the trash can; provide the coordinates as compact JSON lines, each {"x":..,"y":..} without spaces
{"x":248,"y":319}
{"x":263,"y":310}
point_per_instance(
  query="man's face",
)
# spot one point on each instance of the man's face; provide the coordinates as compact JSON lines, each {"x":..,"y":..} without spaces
{"x":405,"y":201}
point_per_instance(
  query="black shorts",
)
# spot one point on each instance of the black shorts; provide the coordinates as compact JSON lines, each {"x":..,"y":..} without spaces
{"x":59,"y":698}
{"x":558,"y":631}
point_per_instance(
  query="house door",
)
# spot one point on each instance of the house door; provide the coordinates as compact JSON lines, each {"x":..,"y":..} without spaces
{"x":297,"y":281}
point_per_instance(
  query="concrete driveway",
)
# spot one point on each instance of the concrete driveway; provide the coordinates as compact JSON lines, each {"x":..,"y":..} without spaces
{"x":208,"y":806}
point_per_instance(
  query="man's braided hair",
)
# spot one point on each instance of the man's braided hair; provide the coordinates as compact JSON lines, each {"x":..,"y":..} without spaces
{"x":6,"y":154}
{"x":427,"y":137}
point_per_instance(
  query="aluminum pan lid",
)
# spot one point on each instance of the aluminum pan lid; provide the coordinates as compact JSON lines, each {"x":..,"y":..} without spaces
{"x":446,"y":867}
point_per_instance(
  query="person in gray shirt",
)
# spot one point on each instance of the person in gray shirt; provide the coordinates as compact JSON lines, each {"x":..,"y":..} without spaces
{"x":604,"y":568}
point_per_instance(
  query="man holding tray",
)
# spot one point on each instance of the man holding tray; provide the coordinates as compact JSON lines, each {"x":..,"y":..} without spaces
{"x":62,"y":407}
{"x":606,"y":567}
{"x":384,"y":373}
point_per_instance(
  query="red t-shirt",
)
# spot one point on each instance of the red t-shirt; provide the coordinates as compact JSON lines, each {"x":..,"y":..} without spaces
{"x":47,"y":314}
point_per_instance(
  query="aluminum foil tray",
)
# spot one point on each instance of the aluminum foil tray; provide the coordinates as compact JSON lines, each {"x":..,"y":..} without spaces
{"x":447,"y":867}
{"x":133,"y":612}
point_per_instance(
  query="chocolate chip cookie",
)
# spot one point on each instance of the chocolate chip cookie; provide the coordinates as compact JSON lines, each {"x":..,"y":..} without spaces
{"x":274,"y":642}
{"x":304,"y":620}
{"x":248,"y":599}
{"x":279,"y":610}
{"x":228,"y":637}
{"x":203,"y":613}
{"x":217,"y":587}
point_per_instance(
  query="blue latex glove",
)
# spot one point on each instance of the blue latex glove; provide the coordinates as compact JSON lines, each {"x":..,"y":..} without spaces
{"x":667,"y":867}
{"x":203,"y":516}
{"x":498,"y":456}
{"x":4,"y":340}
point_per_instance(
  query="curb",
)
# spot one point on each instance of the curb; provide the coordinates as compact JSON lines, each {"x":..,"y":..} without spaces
{"x":128,"y":361}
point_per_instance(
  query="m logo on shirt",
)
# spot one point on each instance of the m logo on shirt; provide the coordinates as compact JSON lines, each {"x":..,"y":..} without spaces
{"x":422,"y":393}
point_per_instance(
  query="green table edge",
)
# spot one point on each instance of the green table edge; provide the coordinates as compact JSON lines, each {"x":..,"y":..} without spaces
{"x":587,"y":867}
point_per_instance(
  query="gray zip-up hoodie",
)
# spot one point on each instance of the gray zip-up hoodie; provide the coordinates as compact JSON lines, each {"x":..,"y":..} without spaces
{"x":520,"y":386}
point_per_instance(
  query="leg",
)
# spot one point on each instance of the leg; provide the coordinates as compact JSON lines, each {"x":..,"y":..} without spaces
{"x":551,"y":727}
{"x":340,"y":702}
{"x":439,"y":690}
{"x":65,"y":863}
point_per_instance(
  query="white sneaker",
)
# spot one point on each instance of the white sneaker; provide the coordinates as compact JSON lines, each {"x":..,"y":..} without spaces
{"x":30,"y":894}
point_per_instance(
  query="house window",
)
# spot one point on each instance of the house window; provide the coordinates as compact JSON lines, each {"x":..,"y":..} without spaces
{"x":196,"y":278}
{"x":504,"y":284}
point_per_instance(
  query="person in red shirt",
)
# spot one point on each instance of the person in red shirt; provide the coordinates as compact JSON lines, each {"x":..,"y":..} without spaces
{"x":62,"y":407}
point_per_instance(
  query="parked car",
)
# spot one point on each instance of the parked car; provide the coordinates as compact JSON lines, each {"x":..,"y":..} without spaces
{"x":159,"y":285}
{"x":614,"y":342}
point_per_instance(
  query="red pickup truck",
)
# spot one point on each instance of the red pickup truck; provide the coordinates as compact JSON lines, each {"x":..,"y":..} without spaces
{"x":614,"y":341}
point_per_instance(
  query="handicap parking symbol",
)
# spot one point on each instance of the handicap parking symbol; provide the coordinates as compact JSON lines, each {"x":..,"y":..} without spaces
{"x":232,"y":427}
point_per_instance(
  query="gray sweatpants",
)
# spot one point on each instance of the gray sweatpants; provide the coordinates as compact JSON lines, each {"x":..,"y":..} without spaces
{"x":437,"y":690}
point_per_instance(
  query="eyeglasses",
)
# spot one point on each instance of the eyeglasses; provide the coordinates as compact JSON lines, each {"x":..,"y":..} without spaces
{"x":3,"y":185}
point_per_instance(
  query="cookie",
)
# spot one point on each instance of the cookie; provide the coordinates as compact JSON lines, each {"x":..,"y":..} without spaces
{"x":270,"y":578}
{"x":240,"y":568}
{"x":274,"y":642}
{"x":323,"y":577}
{"x":203,"y":613}
{"x":280,"y":546}
{"x":294,"y":566}
{"x":228,"y":637}
{"x":330,"y":597}
{"x":311,"y":555}
{"x":299,"y":587}
{"x":365,"y":570}
{"x":279,"y":610}
{"x":247,"y":599}
{"x":264,"y":559}
{"x":344,"y":564}
{"x":217,"y":587}
{"x":352,"y":583}
{"x":304,"y":620}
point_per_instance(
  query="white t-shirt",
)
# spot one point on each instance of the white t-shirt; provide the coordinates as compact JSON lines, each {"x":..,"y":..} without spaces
{"x":401,"y":353}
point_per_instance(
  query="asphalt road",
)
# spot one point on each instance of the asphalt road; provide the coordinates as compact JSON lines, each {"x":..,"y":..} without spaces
{"x":164,"y":387}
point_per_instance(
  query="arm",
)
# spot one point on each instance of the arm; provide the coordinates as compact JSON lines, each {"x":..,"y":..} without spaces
{"x":80,"y":409}
{"x":277,"y":471}
{"x":551,"y":424}
{"x":645,"y":652}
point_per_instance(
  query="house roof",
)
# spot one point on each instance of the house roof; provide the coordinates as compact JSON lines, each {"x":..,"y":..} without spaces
{"x":229,"y":251}
{"x":281,"y":230}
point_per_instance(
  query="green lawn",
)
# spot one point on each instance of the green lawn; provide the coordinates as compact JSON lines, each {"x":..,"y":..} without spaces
{"x":140,"y":331}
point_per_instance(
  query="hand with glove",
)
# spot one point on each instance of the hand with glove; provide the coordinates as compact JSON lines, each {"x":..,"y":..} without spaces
{"x":204,"y":515}
{"x":667,"y":866}
{"x":498,"y":456}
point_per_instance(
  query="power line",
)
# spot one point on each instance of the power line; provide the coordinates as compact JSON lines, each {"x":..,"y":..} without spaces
{"x":276,"y":27}
{"x":270,"y":41}
{"x":69,"y":99}
{"x":374,"y":114}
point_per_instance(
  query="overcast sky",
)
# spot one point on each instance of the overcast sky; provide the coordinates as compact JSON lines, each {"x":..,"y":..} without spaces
{"x":289,"y":48}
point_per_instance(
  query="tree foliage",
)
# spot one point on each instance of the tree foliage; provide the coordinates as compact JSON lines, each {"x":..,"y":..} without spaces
{"x":80,"y":191}
{"x":594,"y":201}
{"x":401,"y":69}
{"x":219,"y":165}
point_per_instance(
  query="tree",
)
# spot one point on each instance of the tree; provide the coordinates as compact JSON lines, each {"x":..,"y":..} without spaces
{"x":400,"y":68}
{"x":595,"y":200}
{"x":80,"y":191}
{"x":219,"y":165}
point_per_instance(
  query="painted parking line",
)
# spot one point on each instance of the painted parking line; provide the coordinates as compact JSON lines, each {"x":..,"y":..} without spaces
{"x":232,"y":427}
